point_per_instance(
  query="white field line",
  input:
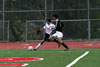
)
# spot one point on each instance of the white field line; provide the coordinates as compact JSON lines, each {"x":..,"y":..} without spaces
{"x":77,"y":59}
{"x":24,"y":64}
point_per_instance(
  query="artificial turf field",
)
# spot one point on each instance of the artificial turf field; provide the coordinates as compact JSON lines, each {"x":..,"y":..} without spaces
{"x":54,"y":57}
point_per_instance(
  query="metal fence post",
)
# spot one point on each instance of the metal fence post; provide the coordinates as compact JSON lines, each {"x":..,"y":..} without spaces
{"x":8,"y":31}
{"x":45,"y":15}
{"x":26,"y":31}
{"x":45,"y":10}
{"x":89,"y":22}
{"x":3,"y":15}
{"x":52,"y":8}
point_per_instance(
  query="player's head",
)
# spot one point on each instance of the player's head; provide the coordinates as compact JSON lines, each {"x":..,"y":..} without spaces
{"x":55,"y":16}
{"x":48,"y":21}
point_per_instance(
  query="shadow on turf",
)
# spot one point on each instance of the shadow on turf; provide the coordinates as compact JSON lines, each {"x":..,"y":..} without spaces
{"x":50,"y":50}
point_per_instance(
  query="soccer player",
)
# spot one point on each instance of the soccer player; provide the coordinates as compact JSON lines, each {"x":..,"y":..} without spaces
{"x":59,"y":34}
{"x":49,"y":27}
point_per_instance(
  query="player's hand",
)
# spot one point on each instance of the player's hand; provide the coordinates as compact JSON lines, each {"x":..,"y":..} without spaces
{"x":38,"y":31}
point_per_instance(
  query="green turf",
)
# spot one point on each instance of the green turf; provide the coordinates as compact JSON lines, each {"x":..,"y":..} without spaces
{"x":55,"y":57}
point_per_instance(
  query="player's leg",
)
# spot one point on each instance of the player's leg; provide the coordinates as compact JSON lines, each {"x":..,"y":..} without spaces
{"x":53,"y":38}
{"x":63,"y":44}
{"x":42,"y":41}
{"x":45,"y":39}
{"x":60,"y":36}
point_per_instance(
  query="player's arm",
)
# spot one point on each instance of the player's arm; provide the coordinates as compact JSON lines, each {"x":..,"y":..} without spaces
{"x":41,"y":29}
{"x":61,"y":24}
{"x":53,"y":27}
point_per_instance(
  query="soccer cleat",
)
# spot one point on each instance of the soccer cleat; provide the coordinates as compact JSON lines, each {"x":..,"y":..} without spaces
{"x":66,"y":49}
{"x":35,"y":49}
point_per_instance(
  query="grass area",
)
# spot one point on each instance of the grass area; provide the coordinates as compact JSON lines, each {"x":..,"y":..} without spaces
{"x":55,"y":57}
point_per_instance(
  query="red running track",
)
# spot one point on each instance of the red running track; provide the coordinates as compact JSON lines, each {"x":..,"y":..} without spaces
{"x":50,"y":45}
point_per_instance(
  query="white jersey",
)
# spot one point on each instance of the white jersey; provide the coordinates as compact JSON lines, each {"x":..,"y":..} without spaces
{"x":49,"y":28}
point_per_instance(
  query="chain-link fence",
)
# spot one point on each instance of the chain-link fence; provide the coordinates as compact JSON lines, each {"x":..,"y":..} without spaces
{"x":80,"y":17}
{"x":4,"y":35}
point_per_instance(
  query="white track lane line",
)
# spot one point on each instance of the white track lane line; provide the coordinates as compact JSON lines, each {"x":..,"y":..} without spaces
{"x":77,"y":59}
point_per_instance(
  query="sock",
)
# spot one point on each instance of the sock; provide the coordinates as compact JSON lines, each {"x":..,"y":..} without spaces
{"x":38,"y":46}
{"x":55,"y":41}
{"x":63,"y":44}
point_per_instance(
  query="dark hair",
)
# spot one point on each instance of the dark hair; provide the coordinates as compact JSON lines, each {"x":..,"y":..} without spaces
{"x":48,"y":19}
{"x":55,"y":16}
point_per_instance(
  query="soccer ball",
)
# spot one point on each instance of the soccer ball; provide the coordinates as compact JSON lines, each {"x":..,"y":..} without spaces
{"x":30,"y":48}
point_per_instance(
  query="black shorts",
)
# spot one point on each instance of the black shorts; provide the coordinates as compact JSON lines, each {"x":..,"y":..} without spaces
{"x":46,"y":38}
